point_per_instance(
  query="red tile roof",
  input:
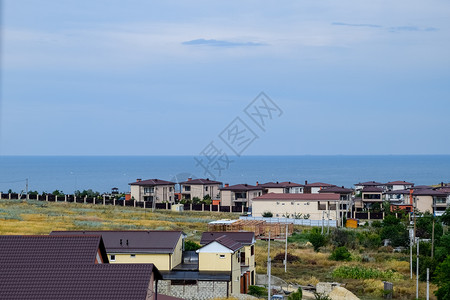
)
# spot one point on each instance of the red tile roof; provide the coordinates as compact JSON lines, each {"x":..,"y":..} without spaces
{"x":30,"y":249}
{"x":243,"y":237}
{"x":300,"y":197}
{"x":151,"y":182}
{"x":200,"y":181}
{"x":75,"y":282}
{"x":138,"y":241}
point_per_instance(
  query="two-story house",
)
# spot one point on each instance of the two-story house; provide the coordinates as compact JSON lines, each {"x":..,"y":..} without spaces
{"x":153,"y":190}
{"x":398,"y":185}
{"x":359,"y":186}
{"x":371,"y":196}
{"x":239,"y":194}
{"x":285,"y":187}
{"x":315,"y":187}
{"x":200,"y":188}
{"x":247,"y":259}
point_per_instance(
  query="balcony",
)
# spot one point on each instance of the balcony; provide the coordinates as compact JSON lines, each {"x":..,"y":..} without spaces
{"x":240,"y":200}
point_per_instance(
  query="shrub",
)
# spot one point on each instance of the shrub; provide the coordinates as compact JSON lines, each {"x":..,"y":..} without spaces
{"x":191,"y":246}
{"x":267,"y":214}
{"x":343,"y":237}
{"x":317,"y":240}
{"x":296,"y":295}
{"x":257,"y":291}
{"x":290,"y":257}
{"x":341,"y":254}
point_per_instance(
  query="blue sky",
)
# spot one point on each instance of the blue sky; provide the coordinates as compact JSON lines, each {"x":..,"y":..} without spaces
{"x":166,"y":77}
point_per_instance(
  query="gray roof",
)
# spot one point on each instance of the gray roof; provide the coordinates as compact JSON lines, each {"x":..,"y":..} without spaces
{"x":243,"y":237}
{"x":75,"y":282}
{"x":29,"y":249}
{"x":371,"y":189}
{"x":227,"y":242}
{"x":370,"y":183}
{"x":135,"y":241}
{"x":197,"y":275}
{"x":336,"y":189}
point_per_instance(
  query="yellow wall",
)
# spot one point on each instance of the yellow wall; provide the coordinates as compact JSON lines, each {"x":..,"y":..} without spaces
{"x":177,"y":255}
{"x":213,"y":262}
{"x":235,"y":274}
{"x":161,"y":261}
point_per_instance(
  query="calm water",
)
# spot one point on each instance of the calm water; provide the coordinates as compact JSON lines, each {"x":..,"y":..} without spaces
{"x":70,"y":173}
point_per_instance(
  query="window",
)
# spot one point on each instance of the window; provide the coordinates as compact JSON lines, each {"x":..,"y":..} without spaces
{"x":170,"y":189}
{"x":206,"y":188}
{"x":112,"y":257}
{"x":187,"y":188}
{"x":252,"y":250}
{"x":132,"y":255}
{"x":222,"y":255}
{"x":148,"y":190}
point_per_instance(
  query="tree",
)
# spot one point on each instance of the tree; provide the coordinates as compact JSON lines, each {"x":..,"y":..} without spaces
{"x":58,"y":193}
{"x":445,"y":218}
{"x":341,"y":254}
{"x":196,"y":200}
{"x":317,"y":240}
{"x":394,"y":230}
{"x":442,"y":279}
{"x":191,"y":246}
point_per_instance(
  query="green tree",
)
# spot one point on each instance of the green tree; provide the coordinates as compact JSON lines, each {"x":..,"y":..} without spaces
{"x":191,"y":246}
{"x":394,"y":230}
{"x":442,"y":278}
{"x":341,"y":254}
{"x":196,"y":200}
{"x":267,"y":214}
{"x":58,"y":193}
{"x":317,"y":239}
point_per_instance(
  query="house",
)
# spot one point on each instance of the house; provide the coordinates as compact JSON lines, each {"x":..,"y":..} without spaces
{"x":239,"y":194}
{"x":222,"y":254}
{"x":69,"y":281}
{"x":30,"y":249}
{"x":247,"y":259}
{"x":153,"y":190}
{"x":69,"y":267}
{"x":441,"y":202}
{"x":398,"y":185}
{"x":430,"y":200}
{"x":359,"y":186}
{"x":281,"y":187}
{"x":200,"y":188}
{"x":312,"y":205}
{"x":162,"y":248}
{"x":345,"y":196}
{"x":371,"y":196}
{"x":315,"y":187}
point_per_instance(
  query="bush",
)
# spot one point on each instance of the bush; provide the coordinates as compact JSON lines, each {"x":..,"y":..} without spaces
{"x":191,"y":246}
{"x":267,"y":214}
{"x":341,"y":254}
{"x":257,"y":291}
{"x":443,"y":279}
{"x":343,"y":237}
{"x":290,"y":257}
{"x":296,"y":295}
{"x":317,"y":240}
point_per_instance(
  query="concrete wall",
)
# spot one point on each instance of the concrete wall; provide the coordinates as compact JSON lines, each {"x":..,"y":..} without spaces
{"x":424,"y":203}
{"x":203,"y":290}
{"x":281,"y":207}
{"x":162,"y":193}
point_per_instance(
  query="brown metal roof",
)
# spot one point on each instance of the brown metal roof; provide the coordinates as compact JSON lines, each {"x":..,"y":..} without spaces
{"x":243,"y":237}
{"x":137,"y":241}
{"x":336,"y":189}
{"x":426,"y":192}
{"x":399,"y":182}
{"x":241,"y":187}
{"x":319,"y":184}
{"x":200,"y":181}
{"x":151,"y":182}
{"x":30,"y":249}
{"x":228,"y":242}
{"x":301,"y":197}
{"x":75,"y":282}
{"x":371,"y":189}
{"x":369,"y":183}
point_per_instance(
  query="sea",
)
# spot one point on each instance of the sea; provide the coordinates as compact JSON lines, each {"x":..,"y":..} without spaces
{"x":102,"y":173}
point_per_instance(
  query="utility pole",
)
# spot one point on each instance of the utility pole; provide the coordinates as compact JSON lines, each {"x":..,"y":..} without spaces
{"x":269,"y":266}
{"x":323,"y":219}
{"x":432,"y":240}
{"x":285,"y":249}
{"x":410,"y":252}
{"x":417,"y":270}
{"x":328,"y":221}
{"x":428,"y":283}
{"x":26,"y":188}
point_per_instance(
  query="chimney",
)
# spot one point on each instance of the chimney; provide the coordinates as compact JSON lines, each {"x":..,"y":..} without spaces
{"x":257,"y":183}
{"x":227,"y":185}
{"x":306,"y":182}
{"x":138,"y":180}
{"x":190,"y":178}
{"x":277,"y":182}
{"x":442,"y":183}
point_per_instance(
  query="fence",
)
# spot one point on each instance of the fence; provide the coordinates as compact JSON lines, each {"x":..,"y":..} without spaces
{"x":304,"y":222}
{"x":107,"y":200}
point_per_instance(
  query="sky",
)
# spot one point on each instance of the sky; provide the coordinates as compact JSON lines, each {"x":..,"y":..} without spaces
{"x":137,"y":77}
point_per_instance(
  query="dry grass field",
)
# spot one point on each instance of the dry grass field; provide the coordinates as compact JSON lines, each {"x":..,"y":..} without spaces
{"x":37,"y":217}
